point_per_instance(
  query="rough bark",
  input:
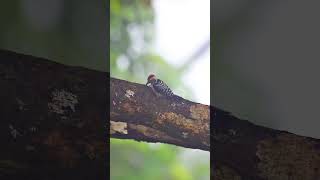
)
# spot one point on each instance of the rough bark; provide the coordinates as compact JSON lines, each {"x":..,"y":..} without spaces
{"x":53,"y":120}
{"x":136,"y":113}
{"x":242,"y":150}
{"x":54,"y":126}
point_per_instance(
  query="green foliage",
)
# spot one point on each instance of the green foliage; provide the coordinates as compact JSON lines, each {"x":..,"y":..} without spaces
{"x":132,"y":160}
{"x":140,"y":161}
{"x":131,"y":55}
{"x":75,"y":38}
{"x":132,"y":59}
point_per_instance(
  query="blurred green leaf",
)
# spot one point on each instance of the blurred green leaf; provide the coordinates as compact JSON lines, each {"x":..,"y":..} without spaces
{"x":132,"y":22}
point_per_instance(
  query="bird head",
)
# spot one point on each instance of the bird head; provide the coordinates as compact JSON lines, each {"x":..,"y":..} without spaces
{"x":151,"y":78}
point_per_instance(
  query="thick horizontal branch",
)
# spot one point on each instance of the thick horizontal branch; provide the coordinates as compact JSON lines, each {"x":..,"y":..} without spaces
{"x":243,"y":150}
{"x":240,"y":148}
{"x":136,"y":113}
{"x":54,"y":117}
{"x":53,"y":120}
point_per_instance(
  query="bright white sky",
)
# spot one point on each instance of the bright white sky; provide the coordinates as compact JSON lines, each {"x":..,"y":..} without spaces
{"x":181,"y":28}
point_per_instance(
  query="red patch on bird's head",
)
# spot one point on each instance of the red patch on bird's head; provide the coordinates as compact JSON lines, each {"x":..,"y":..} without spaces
{"x":151,"y":76}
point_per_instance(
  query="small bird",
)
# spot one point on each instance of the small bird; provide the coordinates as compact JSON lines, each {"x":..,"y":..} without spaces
{"x":160,"y":88}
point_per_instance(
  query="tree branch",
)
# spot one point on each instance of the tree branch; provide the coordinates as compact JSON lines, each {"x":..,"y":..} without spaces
{"x":54,"y":117}
{"x":53,"y":120}
{"x":243,"y":150}
{"x":136,"y":113}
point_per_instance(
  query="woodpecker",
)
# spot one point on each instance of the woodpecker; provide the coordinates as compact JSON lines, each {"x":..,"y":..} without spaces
{"x":160,"y":88}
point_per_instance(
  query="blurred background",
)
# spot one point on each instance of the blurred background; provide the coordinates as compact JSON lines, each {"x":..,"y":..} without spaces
{"x":168,"y":38}
{"x":68,"y":32}
{"x":266,"y":62}
{"x":172,"y":40}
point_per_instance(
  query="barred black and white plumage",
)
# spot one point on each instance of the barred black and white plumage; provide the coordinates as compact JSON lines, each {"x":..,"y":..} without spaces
{"x":160,"y":88}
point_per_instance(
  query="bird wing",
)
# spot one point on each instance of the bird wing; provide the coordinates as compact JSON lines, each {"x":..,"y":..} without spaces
{"x":162,"y":88}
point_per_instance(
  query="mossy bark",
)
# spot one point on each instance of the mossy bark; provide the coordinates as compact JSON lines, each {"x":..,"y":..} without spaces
{"x":138,"y":114}
{"x":53,"y":120}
